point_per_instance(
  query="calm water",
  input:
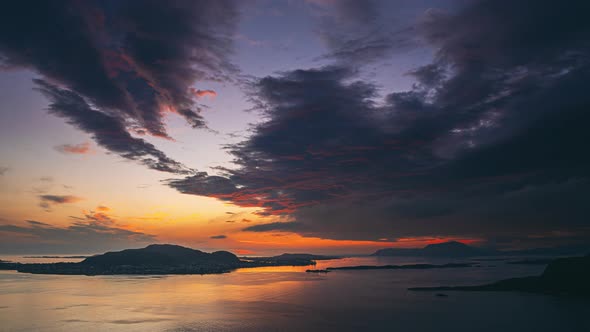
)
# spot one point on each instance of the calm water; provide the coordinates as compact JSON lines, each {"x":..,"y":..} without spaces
{"x":284,"y":299}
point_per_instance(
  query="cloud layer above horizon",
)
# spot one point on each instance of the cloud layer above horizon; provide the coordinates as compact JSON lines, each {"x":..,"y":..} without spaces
{"x":488,"y":141}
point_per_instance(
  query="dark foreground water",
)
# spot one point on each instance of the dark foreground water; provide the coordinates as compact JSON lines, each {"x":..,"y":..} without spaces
{"x":284,"y":299}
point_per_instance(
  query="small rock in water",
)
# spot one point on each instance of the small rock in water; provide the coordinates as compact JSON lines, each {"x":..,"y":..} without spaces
{"x":441,"y":295}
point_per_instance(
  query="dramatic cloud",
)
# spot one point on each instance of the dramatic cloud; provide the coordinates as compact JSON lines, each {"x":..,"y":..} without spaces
{"x":218,"y":237}
{"x":82,"y":236}
{"x":133,"y":61}
{"x":49,"y":200}
{"x":489,"y":142}
{"x":106,"y":130}
{"x":82,"y":148}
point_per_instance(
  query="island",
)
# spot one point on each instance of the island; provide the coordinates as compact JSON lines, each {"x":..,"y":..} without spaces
{"x":565,"y":276}
{"x":160,"y":259}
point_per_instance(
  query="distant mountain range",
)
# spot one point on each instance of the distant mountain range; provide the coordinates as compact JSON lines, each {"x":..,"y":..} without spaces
{"x":458,"y":249}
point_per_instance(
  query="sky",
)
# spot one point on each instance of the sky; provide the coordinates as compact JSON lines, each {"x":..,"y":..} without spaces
{"x":324,"y":126}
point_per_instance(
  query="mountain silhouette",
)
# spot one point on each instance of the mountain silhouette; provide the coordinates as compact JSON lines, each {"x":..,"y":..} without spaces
{"x":162,"y":255}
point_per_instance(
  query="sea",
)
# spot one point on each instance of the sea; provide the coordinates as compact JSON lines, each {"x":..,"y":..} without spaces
{"x":287,"y":299}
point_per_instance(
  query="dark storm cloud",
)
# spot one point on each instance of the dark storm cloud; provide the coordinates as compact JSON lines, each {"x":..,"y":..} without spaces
{"x":490,"y":141}
{"x":132,"y":60}
{"x":82,"y":236}
{"x":107,"y":130}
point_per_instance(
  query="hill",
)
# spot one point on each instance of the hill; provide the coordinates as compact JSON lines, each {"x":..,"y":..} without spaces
{"x":153,"y":259}
{"x":161,"y":254}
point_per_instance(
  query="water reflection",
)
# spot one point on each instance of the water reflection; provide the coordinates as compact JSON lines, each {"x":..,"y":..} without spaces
{"x":281,"y":298}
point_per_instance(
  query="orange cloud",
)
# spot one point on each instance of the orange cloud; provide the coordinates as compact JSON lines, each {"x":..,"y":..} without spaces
{"x":83,"y":148}
{"x":99,"y":216}
{"x":203,"y":93}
